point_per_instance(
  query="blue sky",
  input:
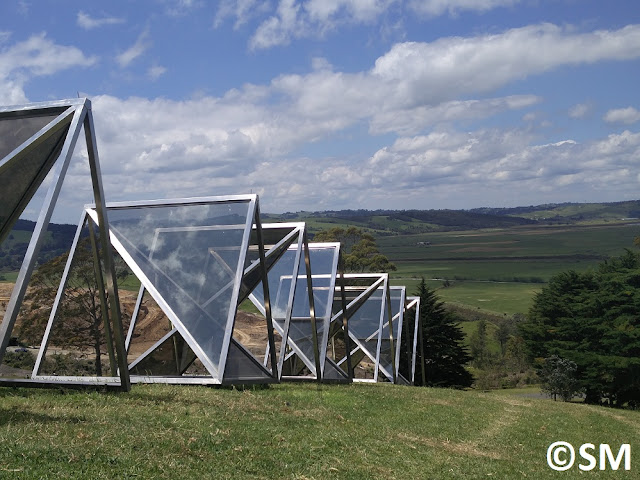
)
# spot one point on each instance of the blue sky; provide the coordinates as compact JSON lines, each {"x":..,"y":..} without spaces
{"x":336,"y":104}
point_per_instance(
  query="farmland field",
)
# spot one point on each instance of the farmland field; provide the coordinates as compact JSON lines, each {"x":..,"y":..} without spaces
{"x":500,"y":270}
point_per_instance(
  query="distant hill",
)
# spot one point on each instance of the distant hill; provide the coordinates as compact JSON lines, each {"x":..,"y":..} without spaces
{"x":379,"y":222}
{"x":571,"y":212}
{"x":57,"y":241}
{"x":394,"y":222}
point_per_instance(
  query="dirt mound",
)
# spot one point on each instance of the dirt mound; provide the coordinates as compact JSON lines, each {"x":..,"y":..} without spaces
{"x":153,"y":324}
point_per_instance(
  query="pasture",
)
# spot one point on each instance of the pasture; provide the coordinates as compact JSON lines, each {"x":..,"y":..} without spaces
{"x":500,"y":270}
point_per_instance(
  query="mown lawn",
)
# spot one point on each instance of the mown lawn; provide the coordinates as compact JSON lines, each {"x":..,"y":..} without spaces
{"x":297,"y":431}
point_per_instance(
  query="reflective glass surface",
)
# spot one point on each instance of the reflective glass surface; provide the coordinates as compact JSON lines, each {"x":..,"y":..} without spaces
{"x":280,"y":263}
{"x":21,"y":176}
{"x":190,"y":254}
{"x":365,"y":321}
{"x":15,"y":130}
{"x":323,"y":261}
{"x":242,"y":366}
{"x":172,"y":357}
{"x":397,"y":305}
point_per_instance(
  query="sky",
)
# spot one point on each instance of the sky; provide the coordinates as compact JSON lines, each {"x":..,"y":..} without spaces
{"x":342,"y":104}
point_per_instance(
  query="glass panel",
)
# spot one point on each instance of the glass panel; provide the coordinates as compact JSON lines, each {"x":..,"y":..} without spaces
{"x":251,"y":329}
{"x":151,"y":324}
{"x":242,"y":366}
{"x":15,"y":130}
{"x":386,"y":359}
{"x":397,"y":308}
{"x":162,"y":361}
{"x":172,"y":357}
{"x":279,"y":278}
{"x":21,"y":177}
{"x":323,"y":264}
{"x":366,"y":320}
{"x":190,"y":253}
{"x":77,"y":342}
{"x":252,"y":282}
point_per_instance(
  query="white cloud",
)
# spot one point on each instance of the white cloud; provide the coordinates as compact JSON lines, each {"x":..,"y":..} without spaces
{"x":251,"y":138}
{"x":245,"y":140}
{"x":493,"y":167}
{"x":156,"y":71}
{"x":293,"y":19}
{"x":23,"y":8}
{"x":313,"y":18}
{"x":235,"y":144}
{"x":37,"y":56}
{"x":241,"y":10}
{"x":141,"y":45}
{"x":87,"y":22}
{"x":435,"y":8}
{"x":626,"y":116}
{"x":579,"y":110}
{"x":414,"y":120}
{"x":454,"y":66}
{"x":178,"y":8}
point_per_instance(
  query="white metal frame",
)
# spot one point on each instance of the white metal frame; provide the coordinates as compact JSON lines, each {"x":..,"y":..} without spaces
{"x":75,"y":115}
{"x":217,"y":375}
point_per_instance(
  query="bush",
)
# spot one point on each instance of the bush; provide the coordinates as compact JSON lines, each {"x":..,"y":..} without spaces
{"x":559,"y":378}
{"x":68,"y":364}
{"x":23,"y":360}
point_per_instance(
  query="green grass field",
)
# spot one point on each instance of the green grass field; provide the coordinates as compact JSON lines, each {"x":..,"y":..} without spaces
{"x":298,"y":431}
{"x":500,"y":270}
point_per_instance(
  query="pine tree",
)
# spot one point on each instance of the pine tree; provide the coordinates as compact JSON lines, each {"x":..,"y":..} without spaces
{"x":445,"y":356}
{"x":592,"y":319}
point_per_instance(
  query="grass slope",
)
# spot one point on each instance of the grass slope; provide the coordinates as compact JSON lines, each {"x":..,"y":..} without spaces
{"x":296,"y":431}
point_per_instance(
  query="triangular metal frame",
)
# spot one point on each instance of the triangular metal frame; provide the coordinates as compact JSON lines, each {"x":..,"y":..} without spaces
{"x":361,"y":350}
{"x":73,"y":115}
{"x":298,"y":248}
{"x":248,"y":285}
{"x":329,"y":370}
{"x":413,"y":303}
{"x":239,"y":292}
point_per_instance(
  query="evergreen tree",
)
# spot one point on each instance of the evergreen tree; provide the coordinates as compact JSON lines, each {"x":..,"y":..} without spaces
{"x":359,"y":249}
{"x":445,"y":356}
{"x":593,"y":319}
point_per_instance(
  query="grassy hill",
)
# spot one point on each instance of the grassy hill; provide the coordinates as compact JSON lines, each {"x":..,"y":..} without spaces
{"x":571,"y":212}
{"x":399,"y":222}
{"x":298,"y":431}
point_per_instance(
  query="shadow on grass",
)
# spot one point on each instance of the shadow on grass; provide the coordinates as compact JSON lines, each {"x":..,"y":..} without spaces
{"x":16,"y":415}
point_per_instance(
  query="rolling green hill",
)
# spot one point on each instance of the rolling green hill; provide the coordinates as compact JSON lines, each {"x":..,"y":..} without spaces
{"x":398,"y":222}
{"x":571,"y":212}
